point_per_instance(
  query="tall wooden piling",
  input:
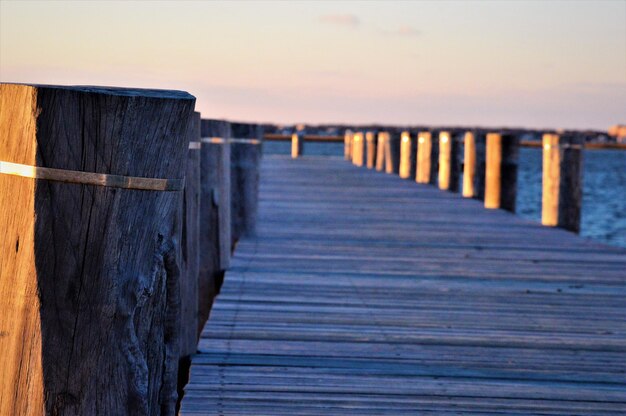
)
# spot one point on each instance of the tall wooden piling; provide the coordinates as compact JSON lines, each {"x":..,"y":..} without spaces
{"x":501,"y":171}
{"x":347,"y":144}
{"x":424,"y":152}
{"x":297,"y":145}
{"x":449,"y":167}
{"x":469,"y":164}
{"x":445,"y":162}
{"x":381,"y":144}
{"x":358,"y":149}
{"x":392,"y":153}
{"x":89,"y":272}
{"x":474,"y":165}
{"x":215,"y":213}
{"x":370,"y":144}
{"x":405,"y":155}
{"x":245,"y":164}
{"x":562,"y":181}
{"x":190,"y":243}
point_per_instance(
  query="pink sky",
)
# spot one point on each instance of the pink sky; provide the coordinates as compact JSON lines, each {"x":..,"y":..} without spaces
{"x":528,"y":64}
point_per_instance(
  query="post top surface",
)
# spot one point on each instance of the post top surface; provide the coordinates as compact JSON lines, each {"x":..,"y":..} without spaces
{"x":126,"y":92}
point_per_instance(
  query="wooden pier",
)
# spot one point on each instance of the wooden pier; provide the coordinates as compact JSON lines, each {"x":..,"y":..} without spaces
{"x":363,"y":293}
{"x":353,"y":289}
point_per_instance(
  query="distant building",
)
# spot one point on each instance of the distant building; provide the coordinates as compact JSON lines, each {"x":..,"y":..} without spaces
{"x":618,"y":132}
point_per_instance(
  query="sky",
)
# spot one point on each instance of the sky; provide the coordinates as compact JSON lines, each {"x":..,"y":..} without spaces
{"x":535,"y":64}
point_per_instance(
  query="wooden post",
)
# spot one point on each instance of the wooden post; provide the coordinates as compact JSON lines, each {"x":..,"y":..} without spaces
{"x":190,"y":209}
{"x":371,"y":149}
{"x":358,"y":149}
{"x":424,"y":151}
{"x":501,"y":171}
{"x":469,"y":164}
{"x":392,"y":153}
{"x":445,"y":151}
{"x":405,"y":155}
{"x":562,"y":183}
{"x":89,"y":274}
{"x":245,"y":165}
{"x":449,"y":161}
{"x":380,"y":150}
{"x":434,"y":157}
{"x":297,"y":144}
{"x":347,"y":144}
{"x":474,"y":165}
{"x":215,"y":213}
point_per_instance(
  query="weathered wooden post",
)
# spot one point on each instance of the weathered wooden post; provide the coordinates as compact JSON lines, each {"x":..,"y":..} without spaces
{"x":215,"y":213}
{"x":405,"y":155}
{"x":381,"y":153}
{"x":358,"y":149}
{"x":449,"y":168}
{"x":392,"y":153}
{"x":245,"y":164}
{"x":370,"y":139}
{"x":469,"y":164}
{"x":424,"y":151}
{"x":89,"y":273}
{"x":347,"y":144}
{"x":474,"y":165}
{"x":190,"y":209}
{"x":562,"y":181}
{"x":501,"y":171}
{"x":297,"y":144}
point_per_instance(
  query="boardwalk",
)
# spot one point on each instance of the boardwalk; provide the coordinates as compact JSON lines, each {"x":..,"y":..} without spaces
{"x":366,"y":294}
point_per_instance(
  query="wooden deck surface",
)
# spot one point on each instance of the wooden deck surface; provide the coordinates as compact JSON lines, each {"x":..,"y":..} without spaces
{"x":367,"y":294}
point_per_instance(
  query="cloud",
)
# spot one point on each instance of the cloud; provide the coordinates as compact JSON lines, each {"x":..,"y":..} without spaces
{"x":348,"y":20}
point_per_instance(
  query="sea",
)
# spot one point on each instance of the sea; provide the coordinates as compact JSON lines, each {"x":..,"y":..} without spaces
{"x":604,"y":187}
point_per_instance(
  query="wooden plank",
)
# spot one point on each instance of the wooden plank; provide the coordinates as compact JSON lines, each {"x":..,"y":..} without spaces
{"x":419,"y":301}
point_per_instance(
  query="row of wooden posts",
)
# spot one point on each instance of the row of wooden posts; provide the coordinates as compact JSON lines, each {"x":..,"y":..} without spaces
{"x":108,"y":263}
{"x":489,"y":166}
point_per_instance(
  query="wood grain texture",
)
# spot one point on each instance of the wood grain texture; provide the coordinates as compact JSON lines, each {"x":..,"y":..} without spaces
{"x":215,"y":213}
{"x":437,"y":306}
{"x":21,"y":384}
{"x":190,"y":243}
{"x":104,"y":260}
{"x":245,"y":159}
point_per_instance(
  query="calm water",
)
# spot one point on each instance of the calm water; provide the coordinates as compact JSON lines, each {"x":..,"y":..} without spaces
{"x":604,"y":193}
{"x":604,"y":188}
